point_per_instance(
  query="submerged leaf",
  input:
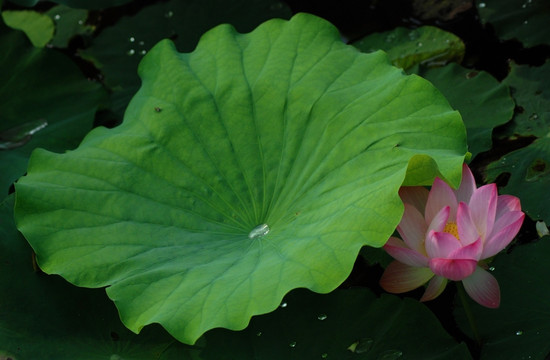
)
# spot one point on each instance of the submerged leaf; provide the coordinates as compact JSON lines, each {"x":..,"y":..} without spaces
{"x":285,"y":127}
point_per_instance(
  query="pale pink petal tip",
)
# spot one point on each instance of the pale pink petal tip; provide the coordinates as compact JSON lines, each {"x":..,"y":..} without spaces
{"x":397,"y":249}
{"x":435,"y":288}
{"x":483,"y":288}
{"x":399,"y":278}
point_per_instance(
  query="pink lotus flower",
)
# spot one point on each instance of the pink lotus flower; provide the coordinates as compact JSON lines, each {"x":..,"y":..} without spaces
{"x":447,"y":234}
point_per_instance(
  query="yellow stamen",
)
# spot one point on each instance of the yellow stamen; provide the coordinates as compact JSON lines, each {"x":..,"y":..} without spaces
{"x":451,"y":228}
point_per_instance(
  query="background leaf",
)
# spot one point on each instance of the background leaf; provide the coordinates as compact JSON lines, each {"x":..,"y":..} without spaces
{"x":80,"y":4}
{"x":118,"y":49}
{"x":285,"y":127}
{"x":520,"y":328}
{"x":530,"y":90}
{"x":61,"y":97}
{"x":490,"y":107}
{"x":39,"y":28}
{"x":345,"y":324}
{"x":44,"y":317}
{"x":528,"y":173}
{"x":408,"y":48}
{"x":524,"y":20}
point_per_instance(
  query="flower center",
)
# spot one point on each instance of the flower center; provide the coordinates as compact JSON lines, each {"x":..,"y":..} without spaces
{"x":451,"y":228}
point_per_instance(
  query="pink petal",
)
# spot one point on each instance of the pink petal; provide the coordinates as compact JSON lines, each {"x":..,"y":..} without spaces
{"x":441,"y":244}
{"x":467,"y":230}
{"x":453,"y":269}
{"x":467,"y":185}
{"x":483,"y":288}
{"x":440,"y":220}
{"x":470,"y":252}
{"x":417,"y":196}
{"x":412,"y":228}
{"x":506,"y":228}
{"x":483,"y":206}
{"x":435,"y":288}
{"x":507,"y":203}
{"x":441,"y":195}
{"x":400,"y":278}
{"x":401,"y":252}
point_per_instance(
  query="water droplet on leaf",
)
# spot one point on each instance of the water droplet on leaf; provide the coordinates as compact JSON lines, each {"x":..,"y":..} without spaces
{"x":361,"y":346}
{"x":57,"y":17}
{"x":132,"y":39}
{"x":21,"y":134}
{"x":322,"y":317}
{"x":292,"y":344}
{"x":482,"y":5}
{"x":492,"y":268}
{"x":169,"y":14}
{"x":80,"y":22}
{"x":143,"y":52}
{"x":519,"y":332}
{"x":259,"y":231}
{"x":419,"y":44}
{"x":284,"y":305}
{"x":130,"y":52}
{"x":533,"y":116}
{"x":390,"y":355}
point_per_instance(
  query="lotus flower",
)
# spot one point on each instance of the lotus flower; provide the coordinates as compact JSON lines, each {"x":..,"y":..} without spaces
{"x":447,"y":235}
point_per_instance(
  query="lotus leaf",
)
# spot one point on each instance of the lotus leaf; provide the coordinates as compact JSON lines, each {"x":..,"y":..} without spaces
{"x":256,"y":164}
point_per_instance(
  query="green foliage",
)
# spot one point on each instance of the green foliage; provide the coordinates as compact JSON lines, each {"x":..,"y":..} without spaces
{"x":406,"y":48}
{"x":530,"y":91}
{"x":524,"y":20}
{"x":490,"y":107}
{"x":68,"y":23}
{"x":520,"y":328}
{"x":38,"y":27}
{"x":79,"y":4}
{"x":44,"y":317}
{"x":528,"y":170}
{"x":346,"y":324}
{"x":118,"y":50}
{"x":61,"y":98}
{"x":284,"y":126}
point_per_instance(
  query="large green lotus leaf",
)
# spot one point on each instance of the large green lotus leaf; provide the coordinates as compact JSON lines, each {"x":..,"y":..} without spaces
{"x":520,"y":327}
{"x":524,"y":20}
{"x":118,"y":49}
{"x":345,"y":324}
{"x":80,"y":4}
{"x":408,"y":48}
{"x":532,"y":95}
{"x":51,"y":109}
{"x":256,"y":164}
{"x":529,"y":177}
{"x":44,"y":317}
{"x":483,"y":102}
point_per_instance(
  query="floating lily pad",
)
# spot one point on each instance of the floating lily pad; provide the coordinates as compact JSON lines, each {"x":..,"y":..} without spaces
{"x":69,"y":22}
{"x":254,"y":165}
{"x":38,"y":27}
{"x":524,"y":20}
{"x":44,"y":317}
{"x":118,"y":50}
{"x":80,"y":4}
{"x":483,"y":102}
{"x":63,"y":103}
{"x":532,"y":95}
{"x":348,"y":324}
{"x":407,"y":48}
{"x":520,"y":328}
{"x":529,"y":177}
